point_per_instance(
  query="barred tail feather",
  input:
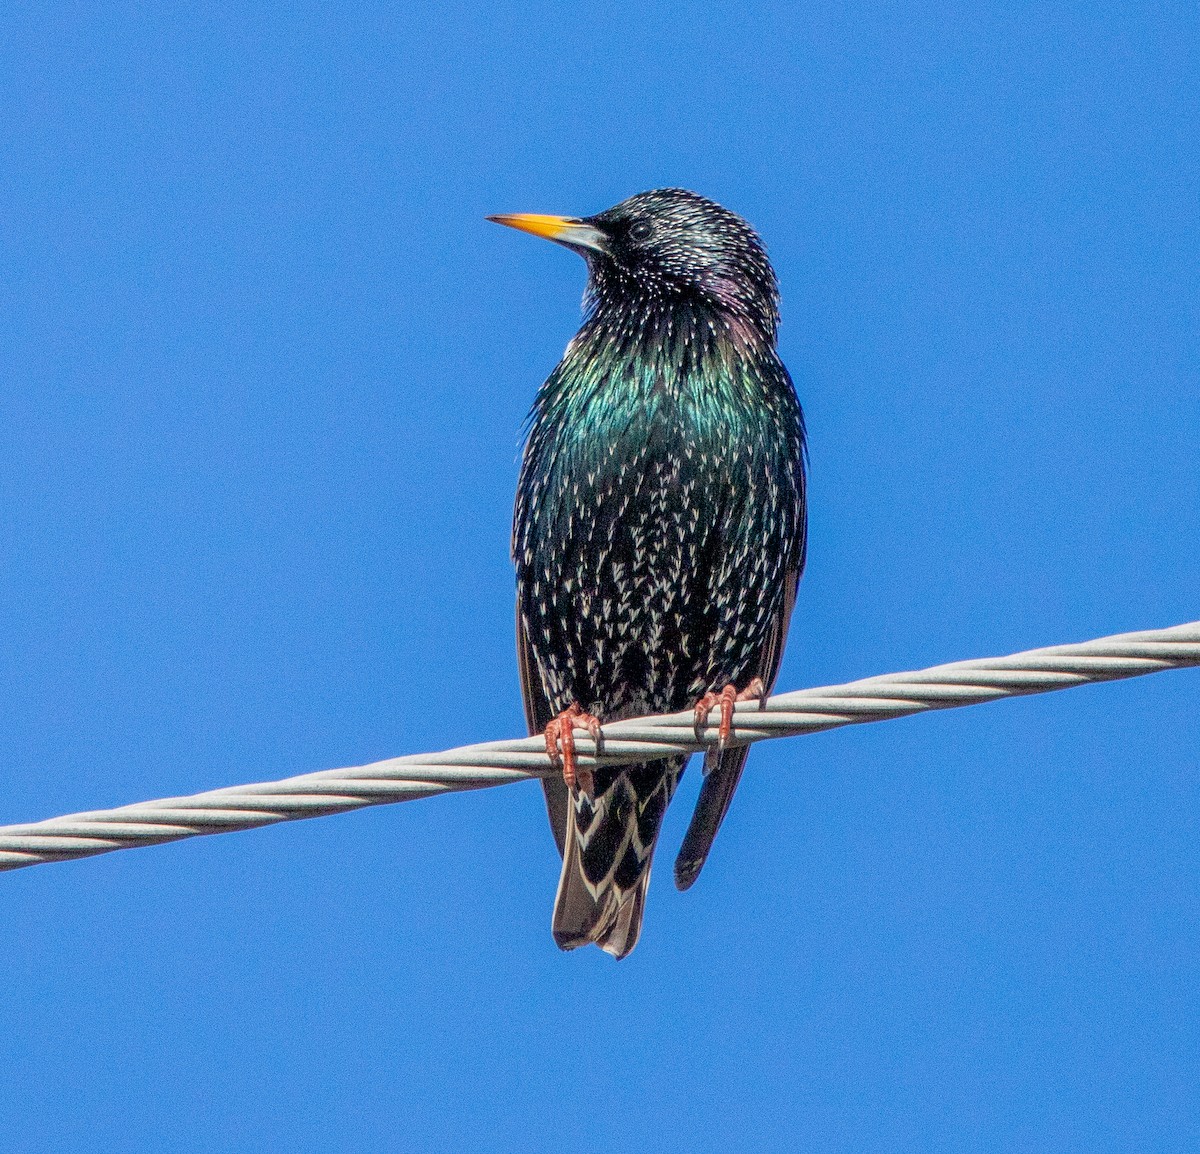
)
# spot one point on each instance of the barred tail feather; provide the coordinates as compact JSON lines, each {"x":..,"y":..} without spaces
{"x":611,"y":919}
{"x":609,"y":849}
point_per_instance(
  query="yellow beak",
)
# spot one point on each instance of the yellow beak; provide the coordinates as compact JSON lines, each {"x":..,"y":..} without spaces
{"x":568,"y":230}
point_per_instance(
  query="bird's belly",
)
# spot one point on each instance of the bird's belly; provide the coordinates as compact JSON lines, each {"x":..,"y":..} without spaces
{"x":644,"y":604}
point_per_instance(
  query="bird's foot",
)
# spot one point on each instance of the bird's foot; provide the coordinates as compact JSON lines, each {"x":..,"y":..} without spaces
{"x":560,"y":745}
{"x":755,"y":691}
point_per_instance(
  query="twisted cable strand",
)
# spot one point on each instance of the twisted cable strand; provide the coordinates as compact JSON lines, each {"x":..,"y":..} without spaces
{"x":638,"y":739}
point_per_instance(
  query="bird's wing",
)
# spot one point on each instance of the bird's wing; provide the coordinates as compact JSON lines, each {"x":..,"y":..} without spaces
{"x":539,"y":714}
{"x":723,"y":771}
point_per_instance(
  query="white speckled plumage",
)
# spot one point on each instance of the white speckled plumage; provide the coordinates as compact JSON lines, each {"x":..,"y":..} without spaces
{"x":659,"y":529}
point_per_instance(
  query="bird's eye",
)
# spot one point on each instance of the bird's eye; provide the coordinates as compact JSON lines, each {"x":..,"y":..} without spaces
{"x":641,"y":230}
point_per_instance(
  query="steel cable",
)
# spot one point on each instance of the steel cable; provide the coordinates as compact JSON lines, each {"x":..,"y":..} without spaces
{"x":638,"y":739}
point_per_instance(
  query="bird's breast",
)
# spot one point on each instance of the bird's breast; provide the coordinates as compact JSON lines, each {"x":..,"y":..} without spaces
{"x":651,"y":536}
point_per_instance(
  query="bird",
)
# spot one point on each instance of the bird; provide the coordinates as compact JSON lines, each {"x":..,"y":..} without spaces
{"x":659,"y":533}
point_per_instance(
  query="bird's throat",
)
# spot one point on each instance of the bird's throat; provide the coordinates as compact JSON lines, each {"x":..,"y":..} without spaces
{"x":669,"y":341}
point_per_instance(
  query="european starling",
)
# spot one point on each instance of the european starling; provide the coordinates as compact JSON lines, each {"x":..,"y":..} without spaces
{"x":659,"y":531}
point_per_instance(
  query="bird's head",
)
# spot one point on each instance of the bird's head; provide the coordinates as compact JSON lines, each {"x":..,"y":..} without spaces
{"x":660,"y":249}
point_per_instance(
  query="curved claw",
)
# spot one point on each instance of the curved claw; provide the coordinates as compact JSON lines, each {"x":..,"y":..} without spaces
{"x":560,"y":745}
{"x":755,"y":691}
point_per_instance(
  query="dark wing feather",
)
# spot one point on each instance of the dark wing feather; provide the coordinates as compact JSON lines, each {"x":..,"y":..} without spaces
{"x":539,"y":714}
{"x":723,"y":771}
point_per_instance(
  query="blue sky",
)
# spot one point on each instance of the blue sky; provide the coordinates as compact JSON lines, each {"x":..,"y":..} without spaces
{"x":264,"y":367}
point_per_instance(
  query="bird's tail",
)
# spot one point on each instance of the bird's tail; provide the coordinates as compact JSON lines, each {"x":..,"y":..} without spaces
{"x":606,"y":862}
